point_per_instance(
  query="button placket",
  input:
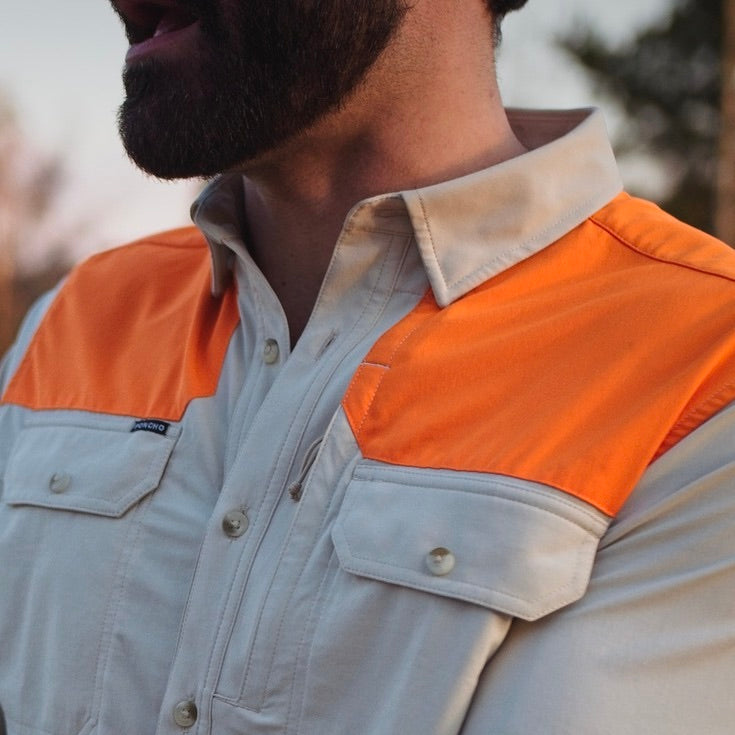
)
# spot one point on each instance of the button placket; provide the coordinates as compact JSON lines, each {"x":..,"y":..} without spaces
{"x":232,"y":562}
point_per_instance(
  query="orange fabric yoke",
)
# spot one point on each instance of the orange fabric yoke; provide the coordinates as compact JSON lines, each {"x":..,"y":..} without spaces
{"x":575,"y":368}
{"x":134,"y":331}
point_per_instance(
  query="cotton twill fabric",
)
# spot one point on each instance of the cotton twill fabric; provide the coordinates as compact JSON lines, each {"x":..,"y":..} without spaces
{"x":586,"y":595}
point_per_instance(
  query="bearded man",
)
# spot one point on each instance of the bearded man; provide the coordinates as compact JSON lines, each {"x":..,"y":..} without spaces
{"x":425,"y":428}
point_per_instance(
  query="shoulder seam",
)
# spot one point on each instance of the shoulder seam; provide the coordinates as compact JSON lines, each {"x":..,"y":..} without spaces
{"x":646,"y":253}
{"x":157,"y":240}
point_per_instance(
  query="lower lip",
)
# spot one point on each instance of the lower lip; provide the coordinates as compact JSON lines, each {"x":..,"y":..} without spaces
{"x":162,"y":43}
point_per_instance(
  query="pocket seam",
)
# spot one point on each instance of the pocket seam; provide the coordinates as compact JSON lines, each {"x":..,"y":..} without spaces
{"x":85,"y":501}
{"x":410,"y":577}
{"x":362,"y":474}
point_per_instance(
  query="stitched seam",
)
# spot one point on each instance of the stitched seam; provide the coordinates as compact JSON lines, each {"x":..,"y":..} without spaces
{"x":380,"y":230}
{"x":34,"y":729}
{"x":490,"y":266}
{"x":431,"y":238}
{"x":302,"y":641}
{"x":471,"y":598}
{"x":527,"y":602}
{"x":292,"y":591}
{"x":366,"y":305}
{"x":39,"y":422}
{"x":370,"y":404}
{"x":260,"y":319}
{"x":380,"y":382}
{"x":339,"y":246}
{"x":510,"y":486}
{"x":105,"y":507}
{"x":409,"y":292}
{"x":320,"y":530}
{"x":243,"y":681}
{"x":654,"y":256}
{"x":152,"y":242}
{"x":359,"y":317}
{"x":690,"y":420}
{"x":25,"y":360}
{"x":187,"y":607}
{"x":242,"y":583}
{"x":257,"y":628}
{"x":37,"y":419}
{"x":53,"y":306}
{"x":679,"y":429}
{"x":517,"y":501}
{"x":123,"y":573}
{"x":365,"y":308}
{"x":325,"y":515}
{"x":540,"y":237}
{"x":284,"y":608}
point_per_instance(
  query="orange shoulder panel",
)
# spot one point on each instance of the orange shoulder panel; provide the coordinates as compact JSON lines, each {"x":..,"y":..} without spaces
{"x":134,"y":331}
{"x":575,"y":368}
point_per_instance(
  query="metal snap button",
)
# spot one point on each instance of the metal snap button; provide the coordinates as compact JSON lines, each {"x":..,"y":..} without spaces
{"x":59,"y":482}
{"x":185,"y":713}
{"x":440,"y":561}
{"x":235,"y":523}
{"x":270,"y":352}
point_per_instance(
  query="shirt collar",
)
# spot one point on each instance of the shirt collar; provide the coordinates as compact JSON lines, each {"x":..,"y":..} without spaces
{"x":474,"y":227}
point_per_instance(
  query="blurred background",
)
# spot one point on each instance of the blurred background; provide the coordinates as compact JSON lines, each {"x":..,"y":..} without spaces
{"x":662,"y":70}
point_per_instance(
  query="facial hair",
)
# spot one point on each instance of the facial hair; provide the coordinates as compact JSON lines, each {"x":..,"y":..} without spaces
{"x":262,"y":71}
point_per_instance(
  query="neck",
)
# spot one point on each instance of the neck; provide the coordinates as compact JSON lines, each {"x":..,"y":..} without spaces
{"x":429,"y":111}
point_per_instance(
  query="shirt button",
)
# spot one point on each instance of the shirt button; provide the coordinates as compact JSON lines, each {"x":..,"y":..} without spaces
{"x":185,"y":713}
{"x":270,"y":352}
{"x":59,"y":482}
{"x":440,"y":561}
{"x":235,"y":523}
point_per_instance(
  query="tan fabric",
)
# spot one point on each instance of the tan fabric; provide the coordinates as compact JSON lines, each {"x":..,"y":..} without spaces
{"x":279,"y":589}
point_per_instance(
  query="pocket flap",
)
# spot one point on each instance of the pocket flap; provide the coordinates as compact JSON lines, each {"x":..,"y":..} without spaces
{"x":516,"y":546}
{"x":98,"y":468}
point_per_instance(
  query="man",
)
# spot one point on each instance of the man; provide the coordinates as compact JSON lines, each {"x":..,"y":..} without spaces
{"x":469,"y":470}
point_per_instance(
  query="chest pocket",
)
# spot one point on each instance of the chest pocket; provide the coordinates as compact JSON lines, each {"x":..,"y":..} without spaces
{"x":74,"y":492}
{"x":428,"y":571}
{"x":509,"y":545}
{"x":86,"y":469}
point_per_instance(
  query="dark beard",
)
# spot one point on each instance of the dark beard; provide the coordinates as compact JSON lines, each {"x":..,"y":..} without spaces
{"x":263,"y":71}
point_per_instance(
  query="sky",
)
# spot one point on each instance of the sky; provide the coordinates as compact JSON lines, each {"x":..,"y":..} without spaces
{"x":60,"y":64}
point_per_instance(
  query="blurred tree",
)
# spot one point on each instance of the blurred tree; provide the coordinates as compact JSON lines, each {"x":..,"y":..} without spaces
{"x":29,"y":183}
{"x":668,"y":80}
{"x":725,"y":223}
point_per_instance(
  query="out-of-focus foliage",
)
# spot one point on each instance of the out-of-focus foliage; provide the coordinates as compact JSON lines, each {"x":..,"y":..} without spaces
{"x":29,"y":184}
{"x":667,"y":79}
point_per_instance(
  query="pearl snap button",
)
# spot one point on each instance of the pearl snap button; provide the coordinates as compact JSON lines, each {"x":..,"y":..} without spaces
{"x":440,"y":561}
{"x":235,"y":523}
{"x":270,"y":351}
{"x":59,"y":482}
{"x":185,"y":713}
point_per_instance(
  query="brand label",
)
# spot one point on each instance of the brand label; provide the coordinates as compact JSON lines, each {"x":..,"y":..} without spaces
{"x":157,"y":427}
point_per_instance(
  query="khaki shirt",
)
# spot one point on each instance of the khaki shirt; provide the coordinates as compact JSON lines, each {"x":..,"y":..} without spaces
{"x":203,"y":532}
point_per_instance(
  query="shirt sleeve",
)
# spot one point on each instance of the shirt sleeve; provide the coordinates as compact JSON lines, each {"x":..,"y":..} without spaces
{"x":11,"y":419}
{"x":650,"y":648}
{"x":11,"y":359}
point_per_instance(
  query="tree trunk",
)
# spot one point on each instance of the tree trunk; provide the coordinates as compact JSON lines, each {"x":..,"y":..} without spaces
{"x":7,"y":273}
{"x":725,"y":218}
